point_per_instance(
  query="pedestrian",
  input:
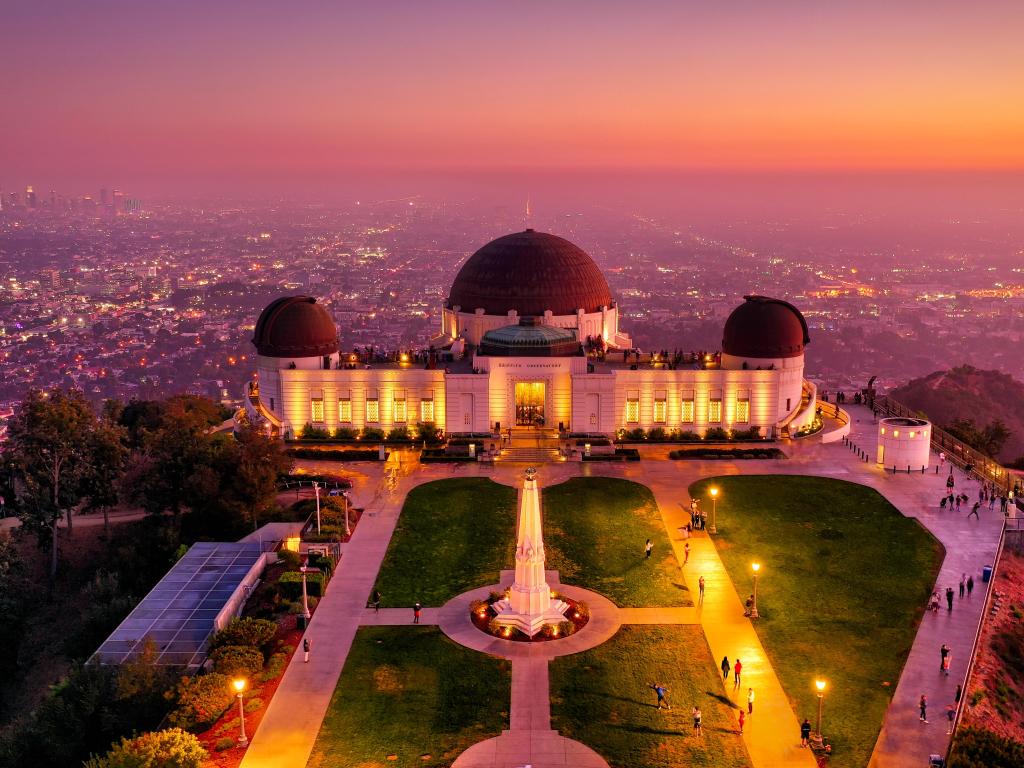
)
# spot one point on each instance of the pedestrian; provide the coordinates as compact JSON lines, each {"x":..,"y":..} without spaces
{"x":725,"y":667}
{"x":946,"y":662}
{"x":661,"y":691}
{"x":974,"y":511}
{"x":970,"y":585}
{"x":963,"y":584}
{"x":416,"y":610}
{"x":375,"y":601}
{"x":950,"y":716}
{"x":686,"y":553}
{"x":923,"y":706}
{"x":736,"y":669}
{"x":959,"y":693}
{"x":942,"y":459}
{"x":697,"y":731}
{"x":950,"y":482}
{"x":743,"y":719}
{"x":750,"y":701}
{"x":949,"y":598}
{"x":991,"y":503}
{"x":647,"y":549}
{"x":700,"y":587}
{"x":943,"y":653}
{"x":805,"y":732}
{"x":306,"y":645}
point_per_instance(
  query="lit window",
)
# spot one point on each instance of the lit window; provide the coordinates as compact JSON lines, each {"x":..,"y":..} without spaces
{"x":742,"y":411}
{"x":659,"y":411}
{"x":632,"y":411}
{"x":345,"y":411}
{"x":895,"y":433}
{"x":715,"y":410}
{"x":373,"y":411}
{"x":426,"y":410}
{"x":400,"y":410}
{"x":883,"y":430}
{"x":913,"y":434}
{"x":687,"y":412}
{"x":316,"y":408}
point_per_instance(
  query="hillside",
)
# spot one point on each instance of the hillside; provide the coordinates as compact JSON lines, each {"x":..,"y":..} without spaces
{"x":970,"y":393}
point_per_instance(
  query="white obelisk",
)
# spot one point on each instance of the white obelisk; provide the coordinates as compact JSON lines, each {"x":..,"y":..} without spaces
{"x":528,"y":606}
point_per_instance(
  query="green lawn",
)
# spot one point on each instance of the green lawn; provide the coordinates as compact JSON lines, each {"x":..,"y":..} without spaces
{"x":594,"y":534}
{"x":452,"y":536}
{"x":412,"y":693}
{"x":844,"y":581}
{"x":600,"y":697}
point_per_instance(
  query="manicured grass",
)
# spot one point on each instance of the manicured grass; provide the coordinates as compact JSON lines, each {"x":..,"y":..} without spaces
{"x":594,"y":534}
{"x":601,"y":697}
{"x":843,"y":585}
{"x":452,"y":535}
{"x":412,"y":693}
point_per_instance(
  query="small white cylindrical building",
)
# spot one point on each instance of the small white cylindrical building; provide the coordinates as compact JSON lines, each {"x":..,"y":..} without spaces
{"x":904,"y":442}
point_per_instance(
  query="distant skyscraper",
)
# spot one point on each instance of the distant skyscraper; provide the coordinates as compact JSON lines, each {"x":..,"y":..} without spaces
{"x":117,"y":203}
{"x":51,"y":279}
{"x":30,"y":198}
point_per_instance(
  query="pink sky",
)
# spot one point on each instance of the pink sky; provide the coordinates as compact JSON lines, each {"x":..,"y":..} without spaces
{"x":211,"y":91}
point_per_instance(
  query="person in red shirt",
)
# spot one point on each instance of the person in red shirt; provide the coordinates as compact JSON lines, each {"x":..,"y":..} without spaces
{"x":736,"y":669}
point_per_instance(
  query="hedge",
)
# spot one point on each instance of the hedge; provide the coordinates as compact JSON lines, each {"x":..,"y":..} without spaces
{"x":728,"y":453}
{"x":237,"y":660}
{"x":290,"y":585}
{"x":336,"y":454}
{"x":254,"y":633}
{"x":171,"y":748}
{"x":200,"y":701}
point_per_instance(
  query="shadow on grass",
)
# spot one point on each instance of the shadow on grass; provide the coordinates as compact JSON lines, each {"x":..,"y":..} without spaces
{"x":647,"y":729}
{"x":723,"y":699}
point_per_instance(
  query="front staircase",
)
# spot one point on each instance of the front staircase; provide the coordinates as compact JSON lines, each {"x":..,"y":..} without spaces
{"x":529,"y":455}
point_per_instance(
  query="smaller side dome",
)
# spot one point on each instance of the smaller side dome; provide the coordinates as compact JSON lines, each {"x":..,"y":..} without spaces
{"x":530,"y":339}
{"x":762,"y":327}
{"x":295,"y":326}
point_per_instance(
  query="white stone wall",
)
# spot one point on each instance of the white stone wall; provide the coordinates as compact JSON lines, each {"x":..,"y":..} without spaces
{"x":790,"y":379}
{"x":903,"y":443}
{"x":475,"y":324}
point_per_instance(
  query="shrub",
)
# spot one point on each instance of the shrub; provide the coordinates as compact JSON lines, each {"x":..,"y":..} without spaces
{"x":566,"y":628}
{"x":635,"y":435}
{"x":978,"y":748}
{"x":657,"y":434}
{"x":716,"y":433}
{"x":753,"y":433}
{"x":309,"y":432}
{"x":428,"y":432}
{"x":371,"y":434}
{"x":253,"y":704}
{"x":290,"y":584}
{"x":582,"y":609}
{"x":398,"y":434}
{"x":289,"y":558}
{"x":247,"y":631}
{"x":346,"y":433}
{"x":171,"y":748}
{"x":237,"y":660}
{"x":275,"y":666}
{"x":328,"y":532}
{"x":224,"y":743}
{"x":199,"y":701}
{"x":688,"y":436}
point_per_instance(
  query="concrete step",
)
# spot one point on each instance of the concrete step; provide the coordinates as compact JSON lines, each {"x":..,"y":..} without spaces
{"x":529,"y":455}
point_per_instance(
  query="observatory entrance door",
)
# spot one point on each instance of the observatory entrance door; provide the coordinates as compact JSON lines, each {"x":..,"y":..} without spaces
{"x":530,"y":403}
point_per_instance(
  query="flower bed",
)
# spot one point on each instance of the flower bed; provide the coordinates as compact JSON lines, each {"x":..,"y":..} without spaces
{"x":483,"y":615}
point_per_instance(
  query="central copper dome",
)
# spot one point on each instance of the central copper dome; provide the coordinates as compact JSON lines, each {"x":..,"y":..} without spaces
{"x":530,"y":272}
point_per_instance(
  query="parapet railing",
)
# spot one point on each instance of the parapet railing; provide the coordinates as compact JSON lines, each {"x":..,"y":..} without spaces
{"x":958,"y":453}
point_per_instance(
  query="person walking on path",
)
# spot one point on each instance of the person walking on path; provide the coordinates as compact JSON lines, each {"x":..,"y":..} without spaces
{"x":736,"y":669}
{"x":647,"y":549}
{"x":743,"y":720}
{"x":725,"y":667}
{"x":306,"y":646}
{"x":686,"y":553}
{"x":950,"y":716}
{"x":970,"y":585}
{"x":943,"y":653}
{"x":697,"y":729}
{"x":974,"y":511}
{"x":923,"y":706}
{"x":805,"y":732}
{"x":949,"y":598}
{"x":959,"y":693}
{"x":375,"y":601}
{"x":661,"y":691}
{"x":416,"y":610}
{"x":963,"y":584}
{"x":946,"y":662}
{"x":750,"y":701}
{"x":700,"y":587}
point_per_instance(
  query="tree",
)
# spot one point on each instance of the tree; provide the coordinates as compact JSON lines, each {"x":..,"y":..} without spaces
{"x":261,"y":460}
{"x":171,"y":748}
{"x":108,"y":460}
{"x":49,"y":436}
{"x":994,"y":436}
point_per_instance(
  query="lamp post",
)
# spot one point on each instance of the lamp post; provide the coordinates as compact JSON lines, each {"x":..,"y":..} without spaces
{"x":305,"y":599}
{"x":820,"y":685}
{"x":348,"y":531}
{"x":316,"y":488}
{"x":239,"y":684}
{"x":714,"y":509}
{"x":753,"y":608}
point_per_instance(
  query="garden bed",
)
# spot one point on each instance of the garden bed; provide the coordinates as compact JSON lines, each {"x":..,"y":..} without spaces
{"x":727,"y":453}
{"x":337,"y":454}
{"x":621,"y":454}
{"x":483,"y":616}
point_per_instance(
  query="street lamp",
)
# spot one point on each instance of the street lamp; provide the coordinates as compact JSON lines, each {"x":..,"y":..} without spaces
{"x":753,"y":608}
{"x":714,"y":505}
{"x":239,"y":685}
{"x":316,"y":488}
{"x":820,"y":685}
{"x":305,"y":599}
{"x":348,"y":531}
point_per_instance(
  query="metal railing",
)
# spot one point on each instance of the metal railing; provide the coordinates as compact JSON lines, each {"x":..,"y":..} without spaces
{"x":957,"y":452}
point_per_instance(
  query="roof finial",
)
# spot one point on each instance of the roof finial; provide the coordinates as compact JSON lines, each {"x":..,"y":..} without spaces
{"x":527,"y":211}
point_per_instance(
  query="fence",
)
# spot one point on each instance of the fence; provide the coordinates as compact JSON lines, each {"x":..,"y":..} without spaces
{"x":957,"y":452}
